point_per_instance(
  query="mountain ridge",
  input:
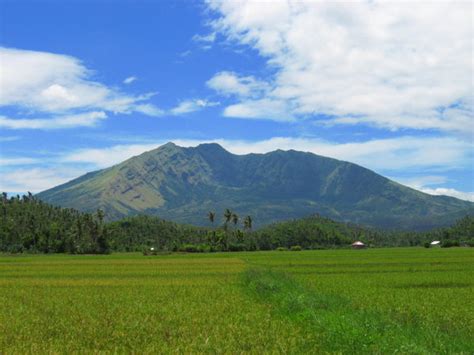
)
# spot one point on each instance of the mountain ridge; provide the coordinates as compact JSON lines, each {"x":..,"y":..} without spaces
{"x":183,"y":184}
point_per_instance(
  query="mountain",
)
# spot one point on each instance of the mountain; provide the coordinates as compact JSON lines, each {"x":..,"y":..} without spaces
{"x":183,"y":184}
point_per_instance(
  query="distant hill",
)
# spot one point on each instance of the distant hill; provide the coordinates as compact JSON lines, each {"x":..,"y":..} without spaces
{"x":183,"y":184}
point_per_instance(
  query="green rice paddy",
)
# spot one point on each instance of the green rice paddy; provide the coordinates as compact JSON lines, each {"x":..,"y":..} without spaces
{"x":410,"y":300}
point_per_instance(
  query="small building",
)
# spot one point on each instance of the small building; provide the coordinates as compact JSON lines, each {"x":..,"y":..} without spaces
{"x":358,"y":245}
{"x":435,"y":243}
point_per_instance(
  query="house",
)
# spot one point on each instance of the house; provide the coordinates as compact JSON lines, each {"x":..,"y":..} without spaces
{"x":435,"y":243}
{"x":358,"y":245}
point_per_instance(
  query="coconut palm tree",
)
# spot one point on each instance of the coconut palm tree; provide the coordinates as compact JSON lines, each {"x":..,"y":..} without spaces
{"x":248,"y":223}
{"x":235,"y":218}
{"x":211,"y":215}
{"x":227,"y":215}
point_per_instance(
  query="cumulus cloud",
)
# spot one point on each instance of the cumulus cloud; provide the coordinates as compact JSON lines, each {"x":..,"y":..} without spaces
{"x":189,"y":106}
{"x":388,"y":64}
{"x":53,"y":84}
{"x":229,"y":83}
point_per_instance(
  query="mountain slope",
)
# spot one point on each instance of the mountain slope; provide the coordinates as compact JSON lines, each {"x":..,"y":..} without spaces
{"x":183,"y":184}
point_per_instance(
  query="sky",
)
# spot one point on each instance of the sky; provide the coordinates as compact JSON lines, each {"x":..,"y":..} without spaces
{"x":387,"y":85}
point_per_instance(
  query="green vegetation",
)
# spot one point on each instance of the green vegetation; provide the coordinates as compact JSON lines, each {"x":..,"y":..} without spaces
{"x":29,"y":225}
{"x":184,"y":184}
{"x":317,"y":232}
{"x":397,"y":300}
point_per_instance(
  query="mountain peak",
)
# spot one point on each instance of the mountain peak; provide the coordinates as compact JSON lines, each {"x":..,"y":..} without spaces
{"x":211,"y":145}
{"x":168,"y":145}
{"x":183,"y":184}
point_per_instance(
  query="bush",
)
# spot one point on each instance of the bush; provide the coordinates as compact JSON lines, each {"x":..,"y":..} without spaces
{"x":237,"y":247}
{"x":192,"y":248}
{"x":296,"y":248}
{"x":450,"y":243}
{"x":204,"y":248}
{"x":150,"y":251}
{"x":189,"y":248}
{"x":281,"y":249}
{"x":427,"y":244}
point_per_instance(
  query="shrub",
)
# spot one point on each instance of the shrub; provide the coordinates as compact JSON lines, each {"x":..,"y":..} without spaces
{"x":204,"y":248}
{"x":150,"y":251}
{"x":296,"y":248}
{"x":427,"y":245}
{"x":450,"y":243}
{"x":281,"y":249}
{"x":237,"y":247}
{"x":192,"y":248}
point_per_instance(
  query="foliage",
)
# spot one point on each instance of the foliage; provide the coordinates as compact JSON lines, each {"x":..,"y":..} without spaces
{"x":29,"y":225}
{"x":138,"y":232}
{"x":318,"y":232}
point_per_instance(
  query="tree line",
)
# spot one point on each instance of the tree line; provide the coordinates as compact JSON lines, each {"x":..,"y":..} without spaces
{"x":29,"y":225}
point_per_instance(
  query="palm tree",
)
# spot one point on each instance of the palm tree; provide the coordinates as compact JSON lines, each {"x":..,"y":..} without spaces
{"x":211,"y":216}
{"x":227,"y":215}
{"x":248,"y":223}
{"x":235,"y":219}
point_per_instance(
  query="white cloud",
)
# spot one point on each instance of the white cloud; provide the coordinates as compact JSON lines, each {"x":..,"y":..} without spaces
{"x":105,"y":157}
{"x":209,"y":38}
{"x":189,"y":106}
{"x":468,"y":196}
{"x":89,"y":119}
{"x":36,"y":179}
{"x":384,"y":63}
{"x":130,"y":80}
{"x":387,"y":155}
{"x":47,"y":83}
{"x":229,"y":83}
{"x":425,"y":184}
{"x":17,"y":161}
{"x":378,"y":154}
{"x":275,"y":110}
{"x":418,"y":182}
{"x":150,"y":110}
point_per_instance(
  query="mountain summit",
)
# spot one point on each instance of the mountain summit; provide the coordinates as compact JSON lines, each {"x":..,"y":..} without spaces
{"x":183,"y":184}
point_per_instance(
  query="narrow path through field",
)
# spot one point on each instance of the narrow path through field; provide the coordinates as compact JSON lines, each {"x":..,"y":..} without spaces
{"x":330,"y":323}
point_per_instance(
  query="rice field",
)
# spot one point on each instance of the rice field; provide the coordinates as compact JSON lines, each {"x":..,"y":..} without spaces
{"x":407,"y":300}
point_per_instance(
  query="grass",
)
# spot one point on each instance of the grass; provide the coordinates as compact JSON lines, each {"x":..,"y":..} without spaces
{"x":410,"y":300}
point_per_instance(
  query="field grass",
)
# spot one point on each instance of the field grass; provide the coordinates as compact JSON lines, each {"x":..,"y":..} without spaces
{"x":344,"y":301}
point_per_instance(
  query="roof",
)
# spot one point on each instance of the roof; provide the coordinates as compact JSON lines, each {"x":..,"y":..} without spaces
{"x":358,"y":243}
{"x":435,"y":242}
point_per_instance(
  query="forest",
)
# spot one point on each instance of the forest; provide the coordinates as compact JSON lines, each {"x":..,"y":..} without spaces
{"x":30,"y":225}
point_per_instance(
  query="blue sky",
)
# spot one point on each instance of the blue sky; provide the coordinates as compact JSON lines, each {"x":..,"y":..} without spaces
{"x":87,"y":84}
